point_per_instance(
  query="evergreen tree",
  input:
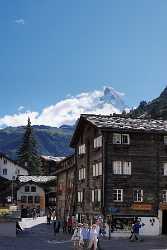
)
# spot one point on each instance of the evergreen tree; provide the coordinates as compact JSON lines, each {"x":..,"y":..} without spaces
{"x":27,"y":154}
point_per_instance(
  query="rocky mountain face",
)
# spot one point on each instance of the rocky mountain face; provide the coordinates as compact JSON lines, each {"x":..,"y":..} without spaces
{"x":50,"y":140}
{"x":156,"y":109}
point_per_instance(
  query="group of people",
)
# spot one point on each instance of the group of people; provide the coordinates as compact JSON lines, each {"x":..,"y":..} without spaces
{"x":87,"y":237}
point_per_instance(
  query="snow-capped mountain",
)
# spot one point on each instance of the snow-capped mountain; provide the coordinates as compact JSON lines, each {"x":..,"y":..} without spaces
{"x":67,"y":111}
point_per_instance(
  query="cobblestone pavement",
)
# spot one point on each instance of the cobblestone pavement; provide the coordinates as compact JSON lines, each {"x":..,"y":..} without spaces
{"x":41,"y":237}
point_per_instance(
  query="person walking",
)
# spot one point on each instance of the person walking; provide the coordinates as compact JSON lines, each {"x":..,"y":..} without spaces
{"x":77,"y":237}
{"x":93,"y":238}
{"x":135,"y":229}
{"x":85,"y":232}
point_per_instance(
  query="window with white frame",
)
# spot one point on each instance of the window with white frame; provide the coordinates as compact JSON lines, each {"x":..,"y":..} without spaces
{"x":4,"y":171}
{"x":164,"y":196}
{"x":96,"y":195}
{"x":126,"y":167}
{"x":138,"y":195}
{"x":122,"y":167}
{"x":165,"y":168}
{"x":82,"y":173}
{"x":98,"y":142}
{"x":165,"y":139}
{"x":121,"y":138}
{"x":97,"y":169}
{"x":118,"y":195}
{"x":82,"y":149}
{"x":80,"y":196}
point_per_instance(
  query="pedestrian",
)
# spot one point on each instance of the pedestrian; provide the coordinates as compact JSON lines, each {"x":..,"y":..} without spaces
{"x":135,"y":229}
{"x":56,"y":226}
{"x":69,"y":225}
{"x":99,"y":233}
{"x":64,"y":226}
{"x":77,"y":237}
{"x":93,"y":238}
{"x":85,"y":232}
{"x":49,"y":217}
{"x":34,"y":213}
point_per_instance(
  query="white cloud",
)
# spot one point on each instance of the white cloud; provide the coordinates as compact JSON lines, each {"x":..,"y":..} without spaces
{"x":20,"y":21}
{"x":65,"y":111}
{"x":20,"y":108}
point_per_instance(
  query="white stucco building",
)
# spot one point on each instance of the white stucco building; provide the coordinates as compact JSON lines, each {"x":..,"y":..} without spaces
{"x":9,"y":169}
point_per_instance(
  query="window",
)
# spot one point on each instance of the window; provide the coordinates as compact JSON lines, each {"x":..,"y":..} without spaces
{"x":96,"y":195}
{"x":24,"y":199}
{"x":5,"y":171}
{"x":37,"y":199}
{"x":165,"y":139}
{"x":5,"y":161}
{"x":122,"y":167}
{"x":27,"y":189}
{"x":126,"y":167}
{"x":97,"y":169}
{"x":164,"y":196}
{"x":165,"y":169}
{"x":98,"y":142}
{"x":82,"y":173}
{"x":118,"y":195}
{"x":80,"y":196}
{"x":138,"y":195}
{"x":82,"y":149}
{"x":121,"y":138}
{"x":33,"y":189}
{"x":117,"y":167}
{"x":30,"y":199}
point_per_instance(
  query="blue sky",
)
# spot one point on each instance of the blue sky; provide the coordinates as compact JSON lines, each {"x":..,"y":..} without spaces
{"x":53,"y":48}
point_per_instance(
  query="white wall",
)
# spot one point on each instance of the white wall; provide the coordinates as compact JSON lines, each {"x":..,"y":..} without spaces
{"x":12,"y":169}
{"x":151,"y":228}
{"x":21,"y":191}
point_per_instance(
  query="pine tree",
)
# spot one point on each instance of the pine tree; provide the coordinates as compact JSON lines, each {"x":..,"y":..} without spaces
{"x":27,"y":154}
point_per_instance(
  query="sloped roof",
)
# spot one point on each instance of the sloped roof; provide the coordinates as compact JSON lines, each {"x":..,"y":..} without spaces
{"x":37,"y":179}
{"x":118,"y":123}
{"x":115,"y":122}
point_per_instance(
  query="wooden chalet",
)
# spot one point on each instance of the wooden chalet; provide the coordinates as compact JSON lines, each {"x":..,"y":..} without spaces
{"x":122,"y":170}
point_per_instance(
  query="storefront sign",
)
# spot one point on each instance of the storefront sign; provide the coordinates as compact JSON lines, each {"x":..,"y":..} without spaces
{"x":136,"y":206}
{"x":163,"y":206}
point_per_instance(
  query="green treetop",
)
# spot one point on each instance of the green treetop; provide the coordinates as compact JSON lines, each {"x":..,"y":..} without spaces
{"x":27,"y":154}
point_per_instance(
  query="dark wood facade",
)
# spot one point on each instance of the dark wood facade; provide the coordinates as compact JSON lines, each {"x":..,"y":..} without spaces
{"x":140,"y":154}
{"x":65,"y":193}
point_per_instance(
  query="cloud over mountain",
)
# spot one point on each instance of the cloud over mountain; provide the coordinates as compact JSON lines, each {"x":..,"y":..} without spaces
{"x":106,"y":101}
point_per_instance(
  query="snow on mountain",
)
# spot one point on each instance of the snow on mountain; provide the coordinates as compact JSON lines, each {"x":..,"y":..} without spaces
{"x":67,"y":111}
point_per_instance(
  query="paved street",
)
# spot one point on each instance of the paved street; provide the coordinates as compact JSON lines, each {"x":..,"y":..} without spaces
{"x":41,"y":237}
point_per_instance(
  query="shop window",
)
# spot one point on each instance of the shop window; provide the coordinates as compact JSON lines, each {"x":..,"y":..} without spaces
{"x":30,"y":199}
{"x":138,"y":195}
{"x":24,"y":199}
{"x":118,"y":195}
